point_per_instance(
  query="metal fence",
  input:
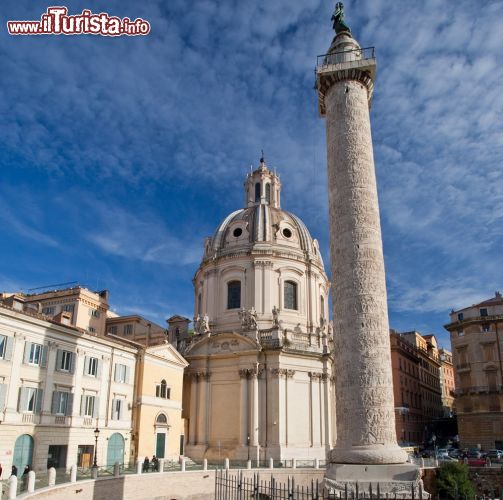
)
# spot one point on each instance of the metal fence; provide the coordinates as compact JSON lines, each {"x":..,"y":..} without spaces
{"x":237,"y":486}
{"x":345,"y":56}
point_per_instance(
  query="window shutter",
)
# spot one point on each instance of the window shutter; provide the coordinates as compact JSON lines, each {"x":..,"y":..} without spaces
{"x":119,"y":413}
{"x":8,"y":348}
{"x":86,"y":365}
{"x":69,"y":405}
{"x":21,"y":405}
{"x":59,"y":357}
{"x":39,"y":400}
{"x":27,"y":348}
{"x":96,"y":411}
{"x":43,"y":362}
{"x":113,"y":409}
{"x":82,"y":405}
{"x":115,"y":372}
{"x":3,"y":390}
{"x":55,"y":402}
{"x":73,"y":357}
{"x":98,"y":371}
{"x":128,"y":371}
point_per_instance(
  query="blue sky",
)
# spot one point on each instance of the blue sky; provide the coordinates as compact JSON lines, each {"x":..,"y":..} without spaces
{"x":119,"y":155}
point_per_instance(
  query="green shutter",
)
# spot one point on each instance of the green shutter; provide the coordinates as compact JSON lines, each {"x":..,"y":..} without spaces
{"x":3,"y":390}
{"x":59,"y":358}
{"x":96,"y":412}
{"x":8,"y":348}
{"x":55,"y":402}
{"x":27,"y":348}
{"x":43,"y":361}
{"x":21,"y":403}
{"x":73,"y":356}
{"x":39,"y":400}
{"x":69,"y":405}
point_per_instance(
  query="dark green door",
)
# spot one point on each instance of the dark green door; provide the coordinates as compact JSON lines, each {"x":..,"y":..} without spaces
{"x":115,"y":452}
{"x":23,"y":453}
{"x":160,"y":445}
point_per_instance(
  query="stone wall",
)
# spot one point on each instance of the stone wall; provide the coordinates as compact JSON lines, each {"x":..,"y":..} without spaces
{"x":189,"y":485}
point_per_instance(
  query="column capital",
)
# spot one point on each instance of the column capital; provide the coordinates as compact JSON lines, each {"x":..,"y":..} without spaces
{"x":282,"y":372}
{"x":315,"y":375}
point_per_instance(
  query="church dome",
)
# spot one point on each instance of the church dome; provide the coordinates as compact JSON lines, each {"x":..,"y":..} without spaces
{"x":262,"y":225}
{"x":261,"y":261}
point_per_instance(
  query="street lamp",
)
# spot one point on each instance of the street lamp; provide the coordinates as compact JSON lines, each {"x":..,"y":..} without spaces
{"x":248,"y":442}
{"x":96,"y":435}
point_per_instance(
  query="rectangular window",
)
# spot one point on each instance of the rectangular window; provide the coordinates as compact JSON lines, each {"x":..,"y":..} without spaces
{"x":31,"y":399}
{"x":65,"y":361}
{"x":61,"y":403}
{"x":117,"y":405}
{"x":3,"y":346}
{"x":49,"y":311}
{"x":89,"y":406}
{"x":460,"y":316}
{"x":92,"y":368}
{"x":69,"y":308}
{"x":234,"y":295}
{"x":121,"y":373}
{"x":94,"y":312}
{"x":128,"y":329}
{"x":486,"y":328}
{"x":90,"y":329}
{"x":483,"y":312}
{"x":112,"y":330}
{"x":35,"y":356}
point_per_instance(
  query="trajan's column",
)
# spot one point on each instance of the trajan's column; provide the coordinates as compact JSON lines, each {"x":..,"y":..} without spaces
{"x":364,"y":392}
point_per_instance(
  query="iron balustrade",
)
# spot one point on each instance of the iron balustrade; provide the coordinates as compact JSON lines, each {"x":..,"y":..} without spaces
{"x":344,"y":56}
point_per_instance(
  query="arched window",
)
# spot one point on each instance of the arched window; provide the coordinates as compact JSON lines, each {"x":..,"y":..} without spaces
{"x":162,"y":390}
{"x":290,"y":290}
{"x":268,"y":193}
{"x":322,"y":306}
{"x":257,"y":191}
{"x":161,"y":419}
{"x":234,"y":295}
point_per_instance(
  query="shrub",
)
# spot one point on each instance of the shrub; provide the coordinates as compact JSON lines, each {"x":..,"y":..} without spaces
{"x":453,"y":482}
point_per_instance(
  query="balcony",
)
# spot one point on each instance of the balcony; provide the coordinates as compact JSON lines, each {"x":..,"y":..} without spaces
{"x":325,"y":60}
{"x":479,"y":389}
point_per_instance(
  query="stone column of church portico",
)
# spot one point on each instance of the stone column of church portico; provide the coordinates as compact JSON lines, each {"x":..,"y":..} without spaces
{"x":193,"y":410}
{"x":365,"y":409}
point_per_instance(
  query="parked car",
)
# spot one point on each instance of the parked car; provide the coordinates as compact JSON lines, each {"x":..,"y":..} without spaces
{"x":474,"y":461}
{"x":495,"y":455}
{"x":442,"y":452}
{"x":455,"y":453}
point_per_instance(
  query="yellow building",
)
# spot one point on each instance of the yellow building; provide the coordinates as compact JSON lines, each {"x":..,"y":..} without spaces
{"x":158,"y":427}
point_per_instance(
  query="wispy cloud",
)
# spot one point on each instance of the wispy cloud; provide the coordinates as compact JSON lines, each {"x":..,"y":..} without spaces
{"x":158,"y":132}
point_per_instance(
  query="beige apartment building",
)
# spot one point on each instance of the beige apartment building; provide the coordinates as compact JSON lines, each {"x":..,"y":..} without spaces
{"x":430,"y":392}
{"x":447,"y":382}
{"x":137,"y":329}
{"x":58,"y":383}
{"x":477,"y":345}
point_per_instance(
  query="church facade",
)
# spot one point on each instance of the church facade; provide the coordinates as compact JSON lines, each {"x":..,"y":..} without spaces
{"x":259,"y":382}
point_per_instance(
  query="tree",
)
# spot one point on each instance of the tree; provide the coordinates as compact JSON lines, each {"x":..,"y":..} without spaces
{"x":453,"y":482}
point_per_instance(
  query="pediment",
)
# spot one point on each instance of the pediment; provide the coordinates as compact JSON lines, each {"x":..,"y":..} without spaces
{"x":222,"y":343}
{"x":168,"y":352}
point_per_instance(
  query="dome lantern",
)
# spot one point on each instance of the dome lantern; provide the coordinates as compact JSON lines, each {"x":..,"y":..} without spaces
{"x":262,"y":187}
